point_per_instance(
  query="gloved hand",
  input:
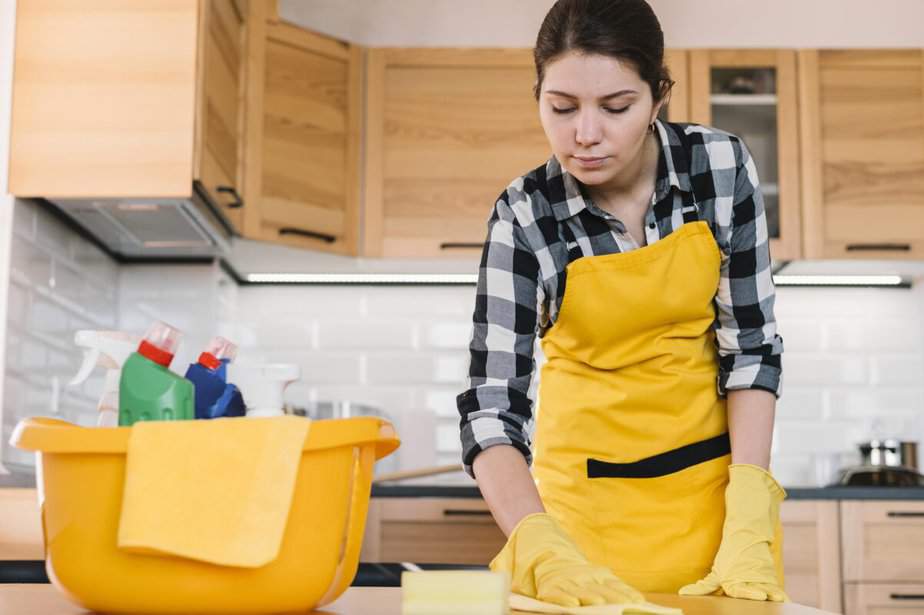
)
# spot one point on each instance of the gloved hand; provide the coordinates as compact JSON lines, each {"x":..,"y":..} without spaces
{"x":544,"y":563}
{"x":744,"y":566}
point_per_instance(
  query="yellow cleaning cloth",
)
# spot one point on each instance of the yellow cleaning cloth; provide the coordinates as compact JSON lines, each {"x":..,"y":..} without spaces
{"x":215,"y":490}
{"x":519,"y":602}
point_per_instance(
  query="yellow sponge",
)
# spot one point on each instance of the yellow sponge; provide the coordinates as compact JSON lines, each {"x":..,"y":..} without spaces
{"x":454,"y":592}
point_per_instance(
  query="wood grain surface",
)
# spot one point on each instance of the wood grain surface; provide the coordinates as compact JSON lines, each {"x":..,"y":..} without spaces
{"x":46,"y":600}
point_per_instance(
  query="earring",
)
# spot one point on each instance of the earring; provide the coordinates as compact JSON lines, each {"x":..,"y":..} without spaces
{"x":651,"y":127}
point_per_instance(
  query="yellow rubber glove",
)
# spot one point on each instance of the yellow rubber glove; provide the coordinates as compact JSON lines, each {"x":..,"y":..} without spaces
{"x":744,"y":567}
{"x":544,"y":563}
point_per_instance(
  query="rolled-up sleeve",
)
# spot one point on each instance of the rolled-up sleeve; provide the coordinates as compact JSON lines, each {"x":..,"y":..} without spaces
{"x":496,"y":407}
{"x":749,"y":346}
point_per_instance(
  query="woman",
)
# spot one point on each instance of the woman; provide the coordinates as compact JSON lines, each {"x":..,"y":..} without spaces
{"x":639,"y":254}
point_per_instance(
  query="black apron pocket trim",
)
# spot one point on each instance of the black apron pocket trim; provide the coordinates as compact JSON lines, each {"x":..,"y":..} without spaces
{"x":663,"y":463}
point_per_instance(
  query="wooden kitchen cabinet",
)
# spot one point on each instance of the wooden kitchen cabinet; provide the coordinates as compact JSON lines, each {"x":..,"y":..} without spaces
{"x":884,"y":599}
{"x":753,"y":94}
{"x":119,"y":101}
{"x":431,"y":530}
{"x":862,"y":114}
{"x":446,"y":131}
{"x":303,"y":134}
{"x":20,"y":525}
{"x":811,"y":552}
{"x":677,"y":108}
{"x":883,"y":541}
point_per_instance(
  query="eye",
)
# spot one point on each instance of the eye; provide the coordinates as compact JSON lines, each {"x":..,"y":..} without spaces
{"x":616,"y":111}
{"x":563,"y":110}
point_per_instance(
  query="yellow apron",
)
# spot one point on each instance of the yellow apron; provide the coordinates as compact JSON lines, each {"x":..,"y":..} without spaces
{"x":632,"y":446}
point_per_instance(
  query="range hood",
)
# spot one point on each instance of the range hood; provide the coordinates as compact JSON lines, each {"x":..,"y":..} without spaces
{"x":152,"y":228}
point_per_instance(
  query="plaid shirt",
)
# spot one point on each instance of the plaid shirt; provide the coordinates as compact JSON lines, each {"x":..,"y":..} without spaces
{"x":542,"y":221}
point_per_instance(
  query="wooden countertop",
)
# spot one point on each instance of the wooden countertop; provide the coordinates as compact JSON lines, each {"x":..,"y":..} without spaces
{"x":46,"y":600}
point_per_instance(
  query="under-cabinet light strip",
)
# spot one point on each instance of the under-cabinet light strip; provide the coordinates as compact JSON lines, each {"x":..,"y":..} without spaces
{"x":471,"y":278}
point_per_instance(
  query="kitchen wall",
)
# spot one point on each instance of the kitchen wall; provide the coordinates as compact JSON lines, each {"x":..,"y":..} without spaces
{"x":703,"y":23}
{"x":854,"y":360}
{"x":853,"y":365}
{"x":7,"y":27}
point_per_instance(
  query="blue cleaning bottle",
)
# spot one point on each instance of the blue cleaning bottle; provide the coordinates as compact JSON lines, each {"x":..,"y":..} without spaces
{"x":215,"y":396}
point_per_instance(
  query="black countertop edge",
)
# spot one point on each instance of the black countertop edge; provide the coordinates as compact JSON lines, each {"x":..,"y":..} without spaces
{"x":793,"y":493}
{"x":368,"y":574}
{"x":381,"y":490}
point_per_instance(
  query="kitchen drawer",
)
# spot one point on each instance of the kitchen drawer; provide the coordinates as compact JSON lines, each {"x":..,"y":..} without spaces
{"x":811,"y":553}
{"x":884,"y":599}
{"x":431,"y":530}
{"x":883,"y":541}
{"x":20,"y":525}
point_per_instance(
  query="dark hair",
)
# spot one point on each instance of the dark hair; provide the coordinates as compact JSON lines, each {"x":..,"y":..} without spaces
{"x":624,"y":29}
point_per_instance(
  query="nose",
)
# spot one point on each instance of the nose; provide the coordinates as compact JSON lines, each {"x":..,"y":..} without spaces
{"x":589,"y":129}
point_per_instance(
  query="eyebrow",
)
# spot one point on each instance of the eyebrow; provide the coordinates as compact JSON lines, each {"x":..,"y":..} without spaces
{"x":608,"y":96}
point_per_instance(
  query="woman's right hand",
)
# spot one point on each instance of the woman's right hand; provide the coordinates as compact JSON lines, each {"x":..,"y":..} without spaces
{"x":544,"y":563}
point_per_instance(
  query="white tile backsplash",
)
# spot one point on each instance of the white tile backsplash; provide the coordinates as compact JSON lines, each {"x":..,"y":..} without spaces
{"x":853,"y":360}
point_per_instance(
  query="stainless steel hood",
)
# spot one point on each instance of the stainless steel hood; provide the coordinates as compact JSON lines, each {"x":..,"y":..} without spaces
{"x":152,"y":227}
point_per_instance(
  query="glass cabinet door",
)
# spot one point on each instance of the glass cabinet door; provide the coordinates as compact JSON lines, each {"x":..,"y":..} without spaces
{"x":752,"y":94}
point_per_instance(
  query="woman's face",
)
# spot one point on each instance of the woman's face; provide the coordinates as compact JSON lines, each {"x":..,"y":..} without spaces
{"x":595,"y":111}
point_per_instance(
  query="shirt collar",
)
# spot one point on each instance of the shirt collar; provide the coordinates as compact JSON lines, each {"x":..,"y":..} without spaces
{"x":673,"y":171}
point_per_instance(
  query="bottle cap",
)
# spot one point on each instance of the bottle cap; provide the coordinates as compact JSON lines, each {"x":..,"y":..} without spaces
{"x":160,"y":343}
{"x":209,"y":360}
{"x":221,"y":348}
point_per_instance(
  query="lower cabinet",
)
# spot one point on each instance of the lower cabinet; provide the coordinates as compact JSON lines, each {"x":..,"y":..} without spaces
{"x":431,"y":530}
{"x":20,"y":525}
{"x":811,"y":553}
{"x":884,"y":598}
{"x":883,"y":545}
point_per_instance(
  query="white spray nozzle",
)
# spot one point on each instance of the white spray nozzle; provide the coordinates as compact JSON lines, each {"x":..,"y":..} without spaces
{"x":109,"y":350}
{"x":263,"y":386}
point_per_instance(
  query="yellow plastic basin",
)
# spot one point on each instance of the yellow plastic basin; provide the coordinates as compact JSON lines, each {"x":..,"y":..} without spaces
{"x":80,"y":475}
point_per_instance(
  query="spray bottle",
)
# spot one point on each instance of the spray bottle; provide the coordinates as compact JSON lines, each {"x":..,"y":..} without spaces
{"x":109,"y":350}
{"x":148,"y":390}
{"x":263,"y":386}
{"x":215,"y":397}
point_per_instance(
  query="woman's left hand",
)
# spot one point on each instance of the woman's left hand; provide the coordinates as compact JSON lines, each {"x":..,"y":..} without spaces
{"x":744,"y":566}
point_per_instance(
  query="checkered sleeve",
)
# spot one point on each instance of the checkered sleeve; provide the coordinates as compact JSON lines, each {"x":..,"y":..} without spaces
{"x":496,"y":407}
{"x":748,"y":344}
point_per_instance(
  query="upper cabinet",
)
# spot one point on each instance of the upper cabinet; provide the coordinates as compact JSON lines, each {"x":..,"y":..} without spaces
{"x":303,"y":126}
{"x":863,"y":153}
{"x":677,"y":108}
{"x":753,"y":94}
{"x":113,"y":100}
{"x":446,"y":131}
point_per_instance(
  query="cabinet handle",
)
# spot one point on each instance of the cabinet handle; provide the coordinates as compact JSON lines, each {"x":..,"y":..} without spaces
{"x":894,"y":513}
{"x":457,"y":512}
{"x":891,"y":247}
{"x":906,"y":596}
{"x":303,"y":233}
{"x":237,"y":202}
{"x":460,"y":244}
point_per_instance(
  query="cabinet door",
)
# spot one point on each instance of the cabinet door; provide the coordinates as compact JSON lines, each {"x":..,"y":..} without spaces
{"x":811,"y":553}
{"x":220,"y":118}
{"x":883,"y":541}
{"x":103,"y":99}
{"x":863,"y":153}
{"x":678,"y":107}
{"x":303,"y":131}
{"x":431,"y":530}
{"x":447,"y":130}
{"x":20,"y":525}
{"x":752,"y":93}
{"x":884,"y":599}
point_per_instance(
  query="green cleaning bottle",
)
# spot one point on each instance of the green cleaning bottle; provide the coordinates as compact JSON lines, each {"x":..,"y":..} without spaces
{"x":148,"y":390}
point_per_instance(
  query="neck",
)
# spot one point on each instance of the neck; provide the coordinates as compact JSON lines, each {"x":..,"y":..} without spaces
{"x":639,"y":174}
